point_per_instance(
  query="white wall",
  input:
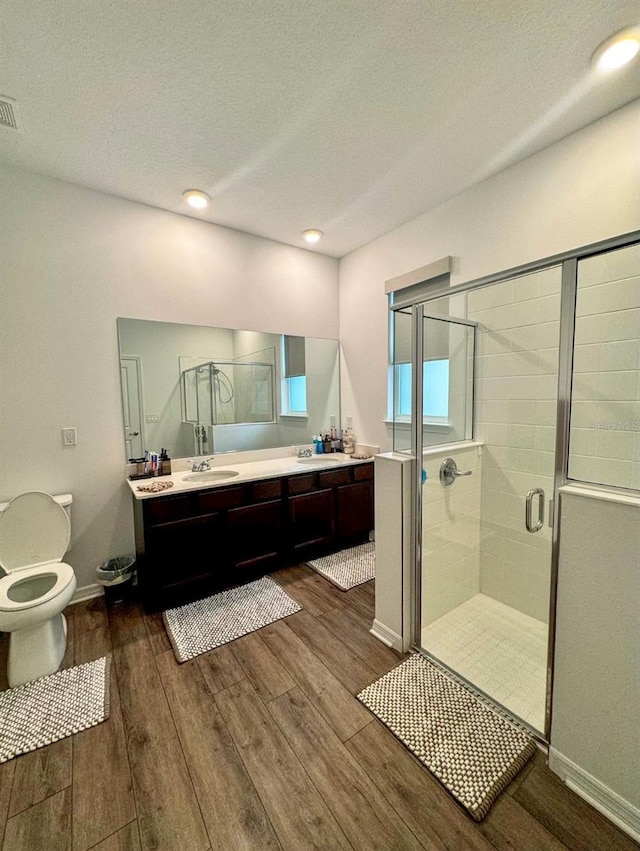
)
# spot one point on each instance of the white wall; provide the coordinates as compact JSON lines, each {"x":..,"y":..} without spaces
{"x":596,"y":701}
{"x":580,"y":190}
{"x":72,"y":261}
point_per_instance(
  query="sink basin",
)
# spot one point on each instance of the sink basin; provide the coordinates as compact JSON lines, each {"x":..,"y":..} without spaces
{"x":211,"y":476}
{"x":325,"y":460}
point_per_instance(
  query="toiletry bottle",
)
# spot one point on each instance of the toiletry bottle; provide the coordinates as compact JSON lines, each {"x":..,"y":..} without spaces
{"x":349,"y":442}
{"x":326,"y":444}
{"x":165,"y":463}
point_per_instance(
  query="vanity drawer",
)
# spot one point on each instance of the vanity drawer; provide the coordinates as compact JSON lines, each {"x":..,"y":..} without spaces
{"x":362,"y":472}
{"x":302,"y":484}
{"x":330,"y":478}
{"x":215,"y":500}
{"x":167,"y":508}
{"x":268,"y":489}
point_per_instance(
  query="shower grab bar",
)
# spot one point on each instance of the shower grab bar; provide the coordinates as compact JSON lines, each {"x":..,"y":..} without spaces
{"x":528,"y":517}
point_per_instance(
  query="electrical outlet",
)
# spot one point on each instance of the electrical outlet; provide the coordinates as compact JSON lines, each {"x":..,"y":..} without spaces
{"x":69,"y":437}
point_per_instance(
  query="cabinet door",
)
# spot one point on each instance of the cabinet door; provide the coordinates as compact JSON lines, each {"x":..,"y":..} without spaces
{"x":312,"y":519}
{"x":355,"y":512}
{"x":255,"y":534}
{"x":182,"y":550}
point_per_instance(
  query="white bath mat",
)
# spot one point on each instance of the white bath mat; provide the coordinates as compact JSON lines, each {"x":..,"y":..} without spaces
{"x":54,"y":707}
{"x":348,"y":568}
{"x":472,"y":750}
{"x":197,"y":627}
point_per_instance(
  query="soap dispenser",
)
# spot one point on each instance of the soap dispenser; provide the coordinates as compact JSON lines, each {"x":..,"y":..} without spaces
{"x":165,"y":463}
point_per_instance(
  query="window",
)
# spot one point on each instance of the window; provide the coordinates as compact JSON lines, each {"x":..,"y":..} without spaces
{"x":297,"y":393}
{"x":435,"y":389}
{"x":294,"y":379}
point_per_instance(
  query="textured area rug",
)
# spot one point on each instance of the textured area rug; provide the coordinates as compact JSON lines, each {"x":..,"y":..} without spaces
{"x":41,"y":712}
{"x":197,"y":627}
{"x":348,"y":568}
{"x":472,"y":750}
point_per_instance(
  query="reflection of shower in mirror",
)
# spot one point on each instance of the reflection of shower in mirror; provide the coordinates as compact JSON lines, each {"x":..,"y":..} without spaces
{"x":228,"y":392}
{"x":220,"y":383}
{"x":172,"y":398}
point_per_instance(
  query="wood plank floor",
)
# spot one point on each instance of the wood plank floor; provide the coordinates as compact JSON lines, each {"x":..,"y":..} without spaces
{"x":260,"y":744}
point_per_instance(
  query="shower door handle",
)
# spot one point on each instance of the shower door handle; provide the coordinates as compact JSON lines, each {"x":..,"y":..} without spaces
{"x":528,"y":517}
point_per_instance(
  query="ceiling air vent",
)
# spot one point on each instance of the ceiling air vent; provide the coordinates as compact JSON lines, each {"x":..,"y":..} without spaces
{"x":9,"y":115}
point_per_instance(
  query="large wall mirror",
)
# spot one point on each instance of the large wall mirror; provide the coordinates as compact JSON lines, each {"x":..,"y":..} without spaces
{"x":195,"y":390}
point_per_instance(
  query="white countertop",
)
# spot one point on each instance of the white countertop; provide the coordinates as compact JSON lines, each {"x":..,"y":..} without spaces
{"x":247,"y":471}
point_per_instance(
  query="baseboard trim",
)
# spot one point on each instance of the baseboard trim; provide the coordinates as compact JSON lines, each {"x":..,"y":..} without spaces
{"x":87,"y":592}
{"x":386,"y":636}
{"x":623,"y":814}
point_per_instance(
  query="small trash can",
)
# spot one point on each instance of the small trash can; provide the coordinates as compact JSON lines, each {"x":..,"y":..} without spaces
{"x":117,"y":576}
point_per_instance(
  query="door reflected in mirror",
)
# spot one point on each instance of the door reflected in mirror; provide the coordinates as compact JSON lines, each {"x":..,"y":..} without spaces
{"x":195,"y":390}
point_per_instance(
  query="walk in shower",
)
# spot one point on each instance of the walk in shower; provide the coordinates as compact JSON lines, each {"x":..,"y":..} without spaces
{"x":485,"y":580}
{"x":493,"y":436}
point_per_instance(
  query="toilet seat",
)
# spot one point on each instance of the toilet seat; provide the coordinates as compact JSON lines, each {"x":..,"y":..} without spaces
{"x":34,"y":530}
{"x":34,"y":536}
{"x":64,"y":576}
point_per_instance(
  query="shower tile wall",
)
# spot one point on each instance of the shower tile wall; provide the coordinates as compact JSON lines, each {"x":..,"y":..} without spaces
{"x":605,"y":415}
{"x":515,"y":403}
{"x":451,"y":535}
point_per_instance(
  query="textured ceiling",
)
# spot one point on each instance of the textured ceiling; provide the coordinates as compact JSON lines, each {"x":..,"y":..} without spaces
{"x":352,"y":116}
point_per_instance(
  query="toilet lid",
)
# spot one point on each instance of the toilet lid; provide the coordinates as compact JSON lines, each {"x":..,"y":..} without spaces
{"x":34,"y":529}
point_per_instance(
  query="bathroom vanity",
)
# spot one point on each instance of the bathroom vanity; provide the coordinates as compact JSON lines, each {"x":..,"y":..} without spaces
{"x":199,"y":537}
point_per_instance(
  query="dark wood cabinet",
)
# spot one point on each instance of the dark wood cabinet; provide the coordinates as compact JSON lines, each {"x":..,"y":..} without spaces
{"x":191,"y":544}
{"x":255,"y":534}
{"x":312,"y":518}
{"x":354,"y":514}
{"x":185,"y":548}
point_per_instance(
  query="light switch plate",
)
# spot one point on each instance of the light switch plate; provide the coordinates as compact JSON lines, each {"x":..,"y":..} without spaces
{"x":69,"y":437}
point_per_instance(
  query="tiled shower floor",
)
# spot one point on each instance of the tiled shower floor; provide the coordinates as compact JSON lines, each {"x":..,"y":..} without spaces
{"x":498,"y":649}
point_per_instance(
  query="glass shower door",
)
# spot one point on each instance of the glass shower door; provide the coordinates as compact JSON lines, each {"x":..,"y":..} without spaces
{"x":485,"y":534}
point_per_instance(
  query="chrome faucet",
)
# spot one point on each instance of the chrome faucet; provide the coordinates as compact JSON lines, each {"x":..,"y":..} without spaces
{"x":201,"y":466}
{"x":304,"y":453}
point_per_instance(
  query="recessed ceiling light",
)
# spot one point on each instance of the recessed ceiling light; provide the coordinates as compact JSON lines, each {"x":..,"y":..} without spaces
{"x":312,"y":234}
{"x":618,"y":50}
{"x":196,"y":198}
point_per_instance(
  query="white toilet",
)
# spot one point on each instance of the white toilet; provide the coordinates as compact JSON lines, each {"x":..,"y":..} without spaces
{"x":34,"y":536}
